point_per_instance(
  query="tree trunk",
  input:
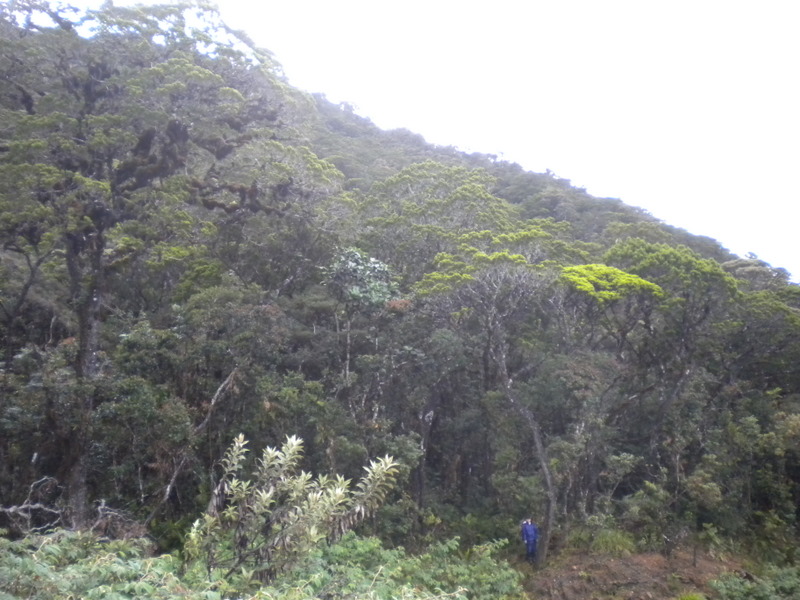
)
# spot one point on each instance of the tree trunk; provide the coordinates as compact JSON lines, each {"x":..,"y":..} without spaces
{"x":87,"y":278}
{"x":550,"y":510}
{"x":78,"y":489}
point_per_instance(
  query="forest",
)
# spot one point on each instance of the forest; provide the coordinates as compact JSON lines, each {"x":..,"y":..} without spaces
{"x":254,"y":346}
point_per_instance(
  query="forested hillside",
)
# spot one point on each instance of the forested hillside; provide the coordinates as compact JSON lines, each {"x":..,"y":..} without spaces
{"x":201,"y":264}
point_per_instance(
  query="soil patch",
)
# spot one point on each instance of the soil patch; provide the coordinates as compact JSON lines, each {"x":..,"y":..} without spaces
{"x":636,"y":577}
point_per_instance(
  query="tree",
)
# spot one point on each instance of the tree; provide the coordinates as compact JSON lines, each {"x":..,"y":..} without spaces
{"x":419,"y":212}
{"x":114,"y":118}
{"x":696,"y":294}
{"x":361,"y":284}
{"x":613,"y":304}
{"x":499,"y":292}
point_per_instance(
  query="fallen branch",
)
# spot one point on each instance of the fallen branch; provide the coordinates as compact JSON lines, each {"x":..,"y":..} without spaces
{"x":116,"y":524}
{"x":23,"y":516}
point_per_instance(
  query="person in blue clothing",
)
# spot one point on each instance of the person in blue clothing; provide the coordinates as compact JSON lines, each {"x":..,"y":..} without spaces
{"x":530,"y":535}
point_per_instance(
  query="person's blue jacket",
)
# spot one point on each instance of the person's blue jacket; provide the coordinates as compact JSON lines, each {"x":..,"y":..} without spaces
{"x":529,"y":532}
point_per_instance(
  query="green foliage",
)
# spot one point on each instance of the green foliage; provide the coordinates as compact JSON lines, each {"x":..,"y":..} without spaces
{"x":606,"y":283}
{"x":444,"y":567}
{"x":710,"y":540}
{"x":423,"y":210}
{"x":451,"y":273}
{"x":142,"y":432}
{"x":82,"y":565}
{"x":648,"y":515}
{"x":614,"y":542}
{"x":602,"y":535}
{"x":359,"y":566}
{"x":259,"y":527}
{"x":190,"y":248}
{"x":672,"y":267}
{"x":65,"y":564}
{"x":774,"y":584}
{"x":359,"y":281}
{"x":773,"y":538}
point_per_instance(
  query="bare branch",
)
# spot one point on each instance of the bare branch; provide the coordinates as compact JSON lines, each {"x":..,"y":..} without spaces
{"x":33,"y":515}
{"x":223,"y":387}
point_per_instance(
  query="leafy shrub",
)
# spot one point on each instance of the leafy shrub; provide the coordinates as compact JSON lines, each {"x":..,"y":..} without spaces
{"x":444,"y":567}
{"x":81,"y":565}
{"x":614,"y":542}
{"x":600,"y":534}
{"x":775,"y":584}
{"x":264,"y":526}
{"x":773,"y":538}
{"x":358,"y":567}
{"x":648,"y":514}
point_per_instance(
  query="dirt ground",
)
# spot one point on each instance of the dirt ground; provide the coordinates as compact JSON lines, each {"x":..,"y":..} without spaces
{"x":637,"y":577}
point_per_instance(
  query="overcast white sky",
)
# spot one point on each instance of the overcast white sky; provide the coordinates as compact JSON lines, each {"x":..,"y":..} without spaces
{"x":687,"y":108}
